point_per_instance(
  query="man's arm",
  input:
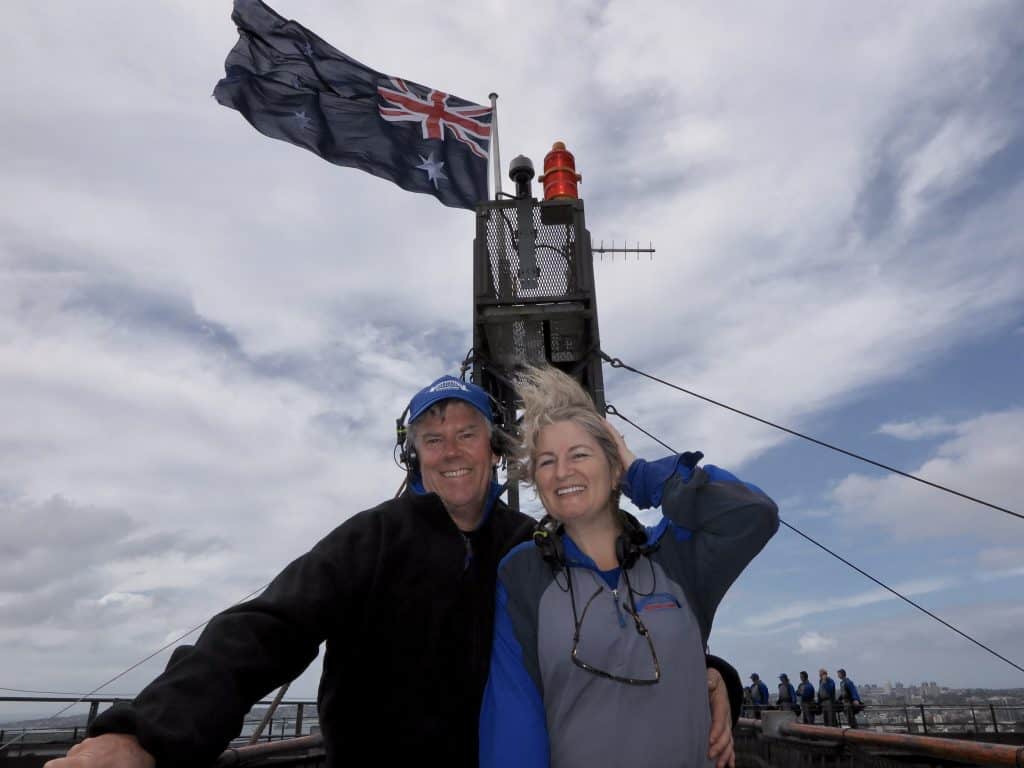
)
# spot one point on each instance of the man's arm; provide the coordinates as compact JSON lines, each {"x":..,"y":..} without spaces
{"x":732,"y":691}
{"x":189,"y":714}
{"x":725,"y":693}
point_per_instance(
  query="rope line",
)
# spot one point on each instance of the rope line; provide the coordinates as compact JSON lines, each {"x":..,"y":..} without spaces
{"x":617,"y":363}
{"x":861,"y":571}
{"x":903,"y":597}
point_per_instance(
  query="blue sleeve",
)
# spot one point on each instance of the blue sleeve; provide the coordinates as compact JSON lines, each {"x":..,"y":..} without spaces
{"x":644,"y":480}
{"x":513,"y":727}
{"x":731,"y":522}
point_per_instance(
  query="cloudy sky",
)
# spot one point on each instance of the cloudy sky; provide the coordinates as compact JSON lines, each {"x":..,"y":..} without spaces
{"x":206,"y":335}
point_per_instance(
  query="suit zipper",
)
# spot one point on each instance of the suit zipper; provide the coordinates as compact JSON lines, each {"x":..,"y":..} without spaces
{"x":618,"y":608}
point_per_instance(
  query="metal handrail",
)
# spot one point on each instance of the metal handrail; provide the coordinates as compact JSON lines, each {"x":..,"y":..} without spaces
{"x":19,"y":738}
{"x":241,"y":755}
{"x":783,"y":724}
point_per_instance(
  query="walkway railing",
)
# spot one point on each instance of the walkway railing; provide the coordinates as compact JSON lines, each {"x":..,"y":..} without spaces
{"x":777,"y":739}
{"x":293,"y":718}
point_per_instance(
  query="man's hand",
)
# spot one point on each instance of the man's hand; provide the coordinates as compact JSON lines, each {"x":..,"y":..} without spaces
{"x":111,"y":750}
{"x":720,"y":747}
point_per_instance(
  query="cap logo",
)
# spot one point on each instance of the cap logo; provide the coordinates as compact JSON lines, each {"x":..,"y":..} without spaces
{"x":447,"y":384}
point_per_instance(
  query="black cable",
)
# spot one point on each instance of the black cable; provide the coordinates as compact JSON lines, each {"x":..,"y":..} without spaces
{"x":617,"y":363}
{"x":65,"y":693}
{"x":902,"y":597}
{"x":861,"y":571}
{"x":609,"y":408}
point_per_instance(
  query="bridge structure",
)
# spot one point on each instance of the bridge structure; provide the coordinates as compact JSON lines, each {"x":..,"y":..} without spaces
{"x":290,"y":736}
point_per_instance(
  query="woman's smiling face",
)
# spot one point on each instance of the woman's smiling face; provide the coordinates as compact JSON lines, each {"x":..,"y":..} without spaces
{"x":572,"y":474}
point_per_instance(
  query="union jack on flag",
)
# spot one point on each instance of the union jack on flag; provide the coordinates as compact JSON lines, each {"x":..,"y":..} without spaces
{"x":434,"y":114}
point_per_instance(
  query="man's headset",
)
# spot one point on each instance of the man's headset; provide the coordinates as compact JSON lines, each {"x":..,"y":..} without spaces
{"x":406,"y":451}
{"x":630,"y":546}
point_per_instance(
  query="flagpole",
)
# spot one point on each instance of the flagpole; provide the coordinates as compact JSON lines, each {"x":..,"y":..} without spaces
{"x":495,"y":152}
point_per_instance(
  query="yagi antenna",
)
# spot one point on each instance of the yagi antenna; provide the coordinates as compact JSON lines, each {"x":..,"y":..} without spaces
{"x":625,"y":250}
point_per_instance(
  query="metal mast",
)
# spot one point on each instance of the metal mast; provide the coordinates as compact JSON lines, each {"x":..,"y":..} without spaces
{"x":533,"y":287}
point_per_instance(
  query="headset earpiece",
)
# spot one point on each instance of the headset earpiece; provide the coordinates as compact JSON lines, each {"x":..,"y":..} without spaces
{"x":406,"y":453}
{"x":548,"y":538}
{"x":631,"y":544}
{"x":411,"y":460}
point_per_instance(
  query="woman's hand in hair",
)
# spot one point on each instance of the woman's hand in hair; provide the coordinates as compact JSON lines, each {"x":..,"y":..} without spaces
{"x":626,"y":456}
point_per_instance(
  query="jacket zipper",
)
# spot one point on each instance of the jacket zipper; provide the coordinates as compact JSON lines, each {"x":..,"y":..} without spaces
{"x":618,"y":608}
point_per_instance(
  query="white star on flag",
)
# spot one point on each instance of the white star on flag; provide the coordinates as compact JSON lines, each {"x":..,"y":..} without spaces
{"x":433,"y":168}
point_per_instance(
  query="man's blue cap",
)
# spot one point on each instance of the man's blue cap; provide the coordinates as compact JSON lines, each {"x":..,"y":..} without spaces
{"x":450,"y":388}
{"x":783,"y":676}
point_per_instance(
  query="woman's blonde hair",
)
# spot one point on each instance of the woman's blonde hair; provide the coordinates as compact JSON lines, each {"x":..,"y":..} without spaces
{"x":551,"y":396}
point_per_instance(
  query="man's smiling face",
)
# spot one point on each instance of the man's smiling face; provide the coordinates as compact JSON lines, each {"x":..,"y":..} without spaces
{"x":456,"y":462}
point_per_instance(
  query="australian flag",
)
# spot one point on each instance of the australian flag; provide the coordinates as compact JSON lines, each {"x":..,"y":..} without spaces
{"x":291,"y":85}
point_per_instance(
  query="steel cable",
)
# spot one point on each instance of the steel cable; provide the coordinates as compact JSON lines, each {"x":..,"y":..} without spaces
{"x":617,"y":363}
{"x":613,"y":411}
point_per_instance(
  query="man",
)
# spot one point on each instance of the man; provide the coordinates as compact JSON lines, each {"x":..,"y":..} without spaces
{"x":827,"y":698}
{"x":805,"y":695}
{"x":849,"y":697}
{"x":787,"y":696}
{"x":758,"y":694}
{"x":403,"y":594}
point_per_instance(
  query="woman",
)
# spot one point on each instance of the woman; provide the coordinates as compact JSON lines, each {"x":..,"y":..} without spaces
{"x":602,"y":624}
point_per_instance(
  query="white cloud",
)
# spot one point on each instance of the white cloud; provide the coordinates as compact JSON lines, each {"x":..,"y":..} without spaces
{"x":983,"y":460}
{"x":906,"y":646}
{"x":1008,"y":573}
{"x":124,"y":602}
{"x":800,"y":609}
{"x":916,"y":430}
{"x":949,"y":158}
{"x":815,"y":642}
{"x":206,"y":335}
{"x":1007,"y":557}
